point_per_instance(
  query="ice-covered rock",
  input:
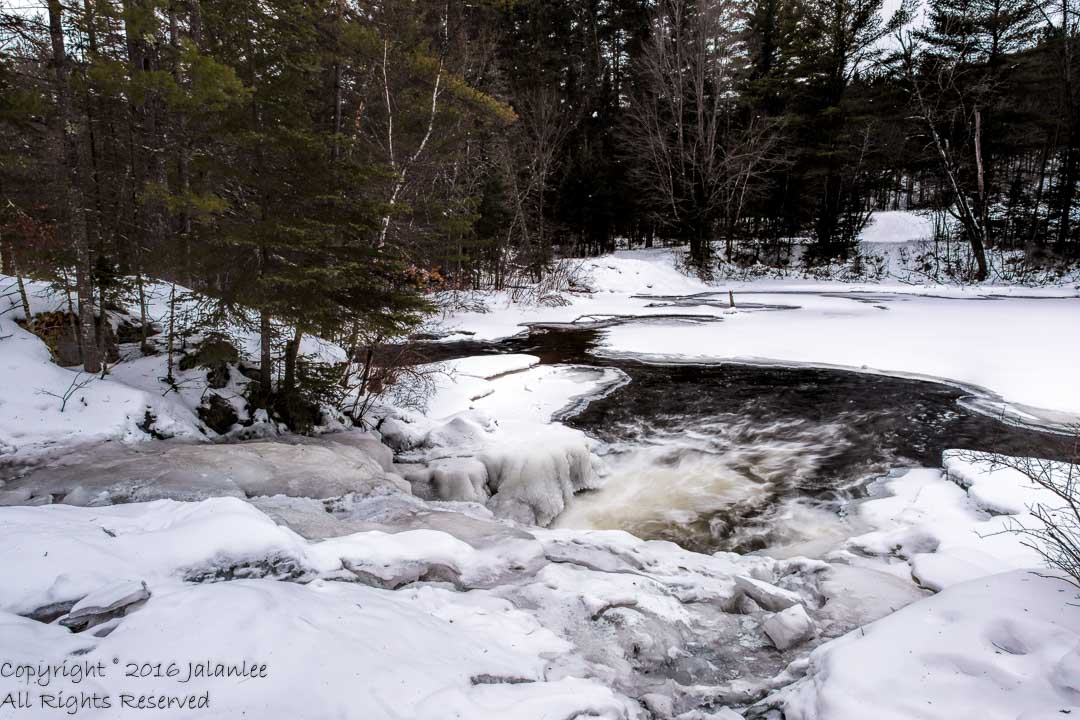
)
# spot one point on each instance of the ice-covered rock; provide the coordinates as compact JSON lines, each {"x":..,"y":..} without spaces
{"x":533,"y":472}
{"x":789,"y":627}
{"x":105,"y":604}
{"x":766,"y":595}
{"x":464,"y":479}
{"x":393,"y":560}
{"x":367,"y":443}
{"x":195,"y":472}
{"x":944,"y":534}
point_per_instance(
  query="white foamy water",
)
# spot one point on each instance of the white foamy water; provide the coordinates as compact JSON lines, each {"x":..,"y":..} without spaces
{"x":724,"y":483}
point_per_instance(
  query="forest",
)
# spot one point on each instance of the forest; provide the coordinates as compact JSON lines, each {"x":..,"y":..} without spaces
{"x":331,"y":164}
{"x":540,"y":359}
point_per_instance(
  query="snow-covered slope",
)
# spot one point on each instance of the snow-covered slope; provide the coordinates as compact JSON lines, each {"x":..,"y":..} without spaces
{"x":35,"y":418}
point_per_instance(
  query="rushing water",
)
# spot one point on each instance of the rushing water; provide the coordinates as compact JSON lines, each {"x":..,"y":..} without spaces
{"x":745,"y":457}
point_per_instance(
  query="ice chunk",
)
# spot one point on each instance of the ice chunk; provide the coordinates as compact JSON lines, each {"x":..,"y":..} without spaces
{"x":788,"y":628}
{"x":766,"y":595}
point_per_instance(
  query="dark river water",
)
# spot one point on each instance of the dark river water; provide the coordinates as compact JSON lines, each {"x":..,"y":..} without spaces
{"x":746,"y":457}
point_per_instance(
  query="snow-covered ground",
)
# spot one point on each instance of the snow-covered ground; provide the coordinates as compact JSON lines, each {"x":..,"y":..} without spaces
{"x":413,"y":572}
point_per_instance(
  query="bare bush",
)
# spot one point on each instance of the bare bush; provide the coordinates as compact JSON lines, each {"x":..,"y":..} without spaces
{"x":382,"y":368}
{"x":549,"y":291}
{"x":1054,"y":532}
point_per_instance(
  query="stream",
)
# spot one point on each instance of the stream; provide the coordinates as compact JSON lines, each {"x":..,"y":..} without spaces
{"x":750,"y":458}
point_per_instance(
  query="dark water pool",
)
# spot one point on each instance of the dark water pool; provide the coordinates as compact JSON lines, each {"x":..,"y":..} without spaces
{"x":745,"y":457}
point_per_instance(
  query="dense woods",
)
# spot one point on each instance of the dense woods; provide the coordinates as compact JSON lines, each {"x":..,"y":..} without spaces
{"x":328,"y":163}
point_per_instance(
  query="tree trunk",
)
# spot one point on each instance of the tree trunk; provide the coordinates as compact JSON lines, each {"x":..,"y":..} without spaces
{"x":266,"y":358}
{"x":71,"y":193}
{"x":292,"y":350}
{"x":172,"y":336}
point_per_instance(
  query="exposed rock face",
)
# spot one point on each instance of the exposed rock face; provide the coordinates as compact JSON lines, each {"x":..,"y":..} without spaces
{"x":214,"y":354}
{"x":60,"y":331}
{"x":218,"y":413}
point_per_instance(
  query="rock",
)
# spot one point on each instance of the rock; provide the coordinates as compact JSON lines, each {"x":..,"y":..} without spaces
{"x":450,"y":479}
{"x":367,"y":443}
{"x":105,"y":604}
{"x":789,"y":628}
{"x":217,"y":377}
{"x":767,"y":596}
{"x":50,"y":612}
{"x":129,"y":331}
{"x":68,"y":353}
{"x":214,"y":354}
{"x":189,"y":473}
{"x":659,"y":705}
{"x":67,"y":347}
{"x":19,"y":496}
{"x":218,"y":413}
{"x":721,"y":714}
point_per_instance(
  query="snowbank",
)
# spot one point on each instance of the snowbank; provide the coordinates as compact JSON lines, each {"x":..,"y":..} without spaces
{"x":132,"y":403}
{"x":997,"y":648}
{"x":76,"y":550}
{"x":34,"y":417}
{"x":897,"y":226}
{"x":331,"y":650}
{"x":949,"y":531}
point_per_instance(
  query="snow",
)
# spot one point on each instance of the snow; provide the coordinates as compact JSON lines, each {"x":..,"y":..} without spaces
{"x":484,"y":617}
{"x":336,"y":650}
{"x":1015,"y":348}
{"x":997,"y":641}
{"x":513,"y":386}
{"x":34,"y":420}
{"x":131,"y":404}
{"x":942,"y":531}
{"x":999,"y":648}
{"x":78,"y":551}
{"x":897,"y":226}
{"x":1005,"y":343}
{"x":488,"y":437}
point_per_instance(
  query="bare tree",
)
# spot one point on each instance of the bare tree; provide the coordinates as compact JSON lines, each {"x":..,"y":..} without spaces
{"x":690,"y":154}
{"x":930,"y":112}
{"x":529,"y":163}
